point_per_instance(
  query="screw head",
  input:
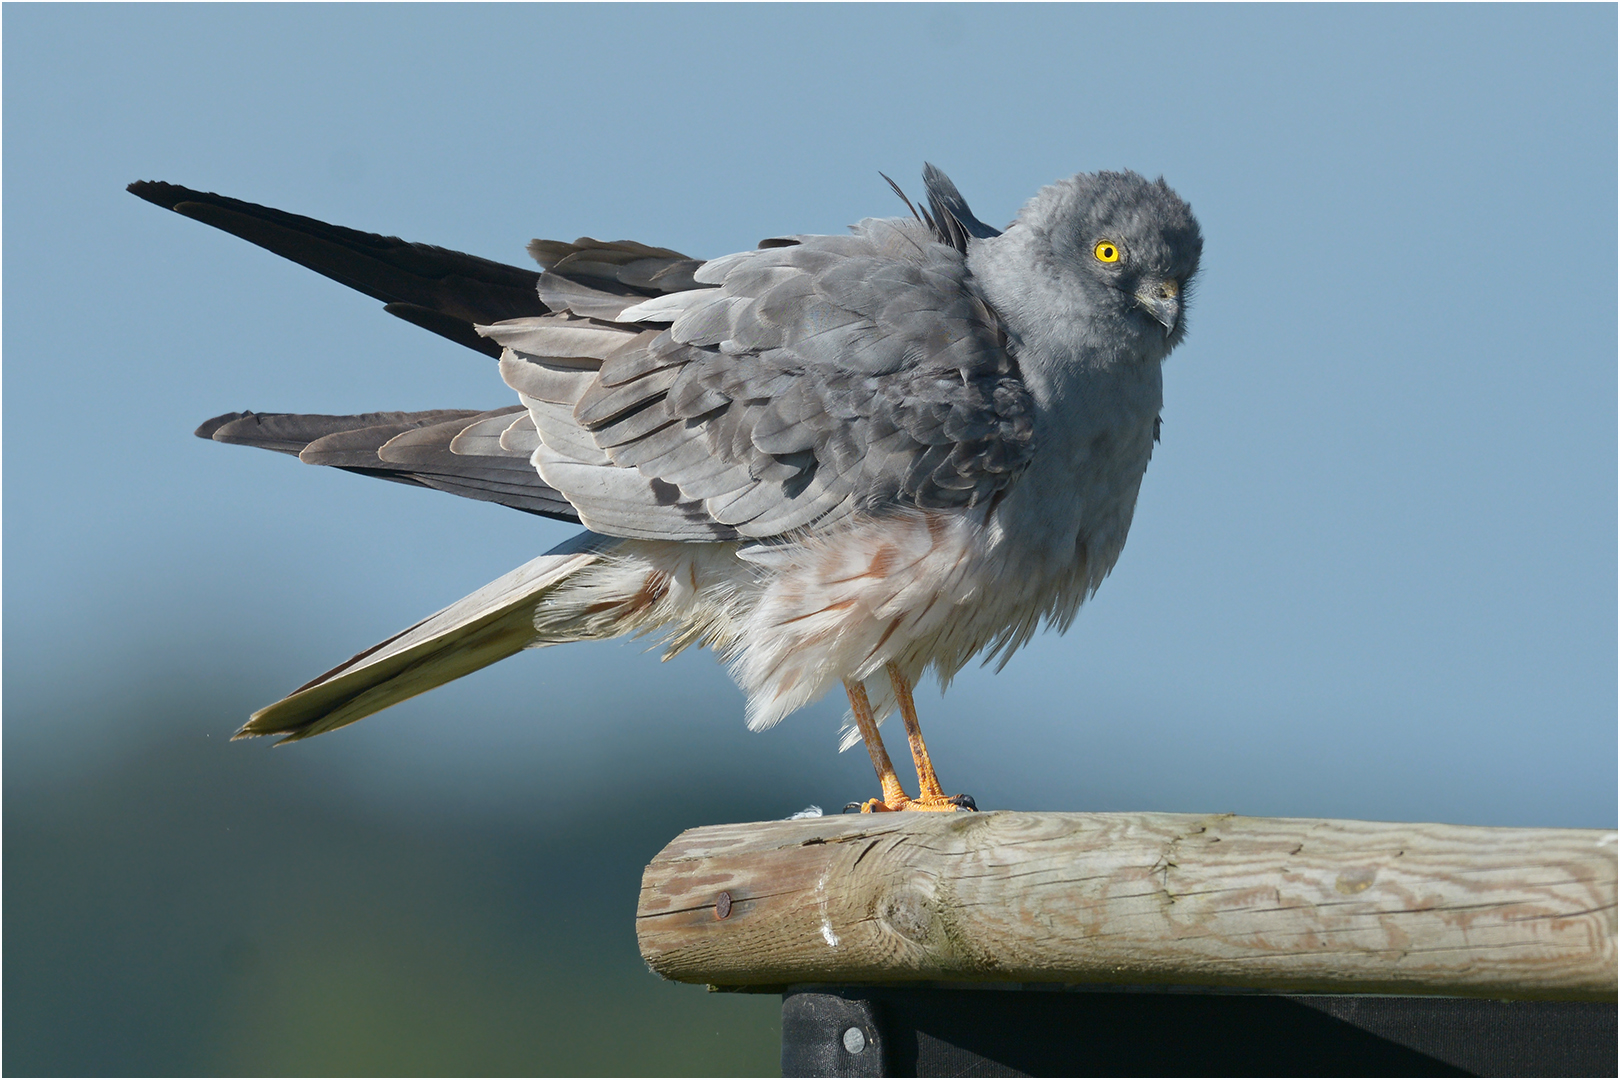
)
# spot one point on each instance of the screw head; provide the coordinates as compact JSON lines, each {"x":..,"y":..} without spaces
{"x":722,"y":905}
{"x":854,"y":1040}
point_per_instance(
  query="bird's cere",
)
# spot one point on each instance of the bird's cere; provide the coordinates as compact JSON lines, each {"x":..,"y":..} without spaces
{"x":1162,"y":300}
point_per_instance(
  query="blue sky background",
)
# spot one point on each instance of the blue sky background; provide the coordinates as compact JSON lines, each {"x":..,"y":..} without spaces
{"x":1372,"y":573}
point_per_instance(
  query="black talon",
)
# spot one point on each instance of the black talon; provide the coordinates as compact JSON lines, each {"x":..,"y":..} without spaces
{"x":965,"y":802}
{"x":855,"y":806}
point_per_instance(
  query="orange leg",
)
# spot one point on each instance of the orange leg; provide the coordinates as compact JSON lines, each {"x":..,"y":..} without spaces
{"x":930,"y":795}
{"x":894,"y":796}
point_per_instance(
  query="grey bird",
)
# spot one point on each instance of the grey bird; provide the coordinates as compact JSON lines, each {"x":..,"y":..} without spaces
{"x":832,"y":459}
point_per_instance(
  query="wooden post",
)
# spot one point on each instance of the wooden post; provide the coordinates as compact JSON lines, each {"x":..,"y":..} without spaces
{"x":1290,"y":904}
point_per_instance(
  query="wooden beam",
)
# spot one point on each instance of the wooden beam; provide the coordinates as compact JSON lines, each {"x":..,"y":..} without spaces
{"x":1133,"y":899}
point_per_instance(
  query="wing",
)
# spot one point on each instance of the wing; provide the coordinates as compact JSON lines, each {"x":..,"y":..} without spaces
{"x":448,"y":292}
{"x":438,"y":289}
{"x":797,"y":384}
{"x":663,"y":398}
{"x":478,"y":455}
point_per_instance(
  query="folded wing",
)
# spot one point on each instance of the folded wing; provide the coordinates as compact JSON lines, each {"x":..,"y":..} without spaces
{"x":666,"y":398}
{"x":795,"y":385}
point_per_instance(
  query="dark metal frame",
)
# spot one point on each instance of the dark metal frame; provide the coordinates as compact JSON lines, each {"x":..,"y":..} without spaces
{"x":987,"y":1031}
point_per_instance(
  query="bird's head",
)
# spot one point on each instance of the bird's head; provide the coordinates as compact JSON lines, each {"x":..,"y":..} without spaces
{"x":1124,"y":247}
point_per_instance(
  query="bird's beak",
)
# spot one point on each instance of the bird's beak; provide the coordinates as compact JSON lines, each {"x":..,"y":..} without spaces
{"x":1162,"y":300}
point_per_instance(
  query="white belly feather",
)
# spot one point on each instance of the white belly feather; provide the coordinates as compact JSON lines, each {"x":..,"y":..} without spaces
{"x":921,"y":589}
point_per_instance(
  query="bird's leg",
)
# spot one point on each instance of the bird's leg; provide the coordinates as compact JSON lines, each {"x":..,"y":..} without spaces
{"x":930,"y":795}
{"x":894,"y":797}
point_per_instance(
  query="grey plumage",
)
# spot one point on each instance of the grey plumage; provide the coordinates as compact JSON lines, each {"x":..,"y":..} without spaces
{"x":856,"y":343}
{"x":771,"y":423}
{"x":418,"y":448}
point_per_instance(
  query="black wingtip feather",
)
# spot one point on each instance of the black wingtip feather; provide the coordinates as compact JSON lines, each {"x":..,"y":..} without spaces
{"x":157,"y":192}
{"x":446,"y":326}
{"x":448,"y":286}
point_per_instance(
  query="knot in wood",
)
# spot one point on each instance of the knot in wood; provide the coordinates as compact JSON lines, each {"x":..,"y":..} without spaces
{"x":905,"y":911}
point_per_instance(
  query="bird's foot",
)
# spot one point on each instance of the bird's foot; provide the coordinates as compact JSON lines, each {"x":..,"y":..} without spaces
{"x":941,"y":803}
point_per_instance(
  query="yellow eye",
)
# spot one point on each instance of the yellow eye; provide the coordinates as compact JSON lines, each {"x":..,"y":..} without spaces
{"x":1106,"y":251}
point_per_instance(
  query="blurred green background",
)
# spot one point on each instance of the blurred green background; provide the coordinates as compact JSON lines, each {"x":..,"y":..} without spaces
{"x":1372,"y":573}
{"x":187,"y":909}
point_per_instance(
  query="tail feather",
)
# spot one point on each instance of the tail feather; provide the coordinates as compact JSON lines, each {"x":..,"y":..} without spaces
{"x":491,"y":624}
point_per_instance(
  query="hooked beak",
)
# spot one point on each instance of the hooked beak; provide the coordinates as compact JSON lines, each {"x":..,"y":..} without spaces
{"x":1162,"y":300}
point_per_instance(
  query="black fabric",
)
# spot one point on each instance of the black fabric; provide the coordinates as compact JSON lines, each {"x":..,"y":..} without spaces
{"x":995,"y":1032}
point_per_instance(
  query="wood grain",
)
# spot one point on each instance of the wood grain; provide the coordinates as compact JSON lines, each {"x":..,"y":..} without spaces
{"x":1266,"y":903}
